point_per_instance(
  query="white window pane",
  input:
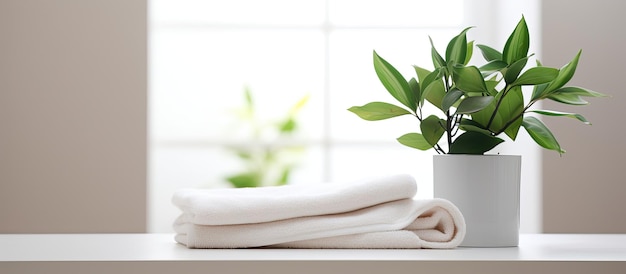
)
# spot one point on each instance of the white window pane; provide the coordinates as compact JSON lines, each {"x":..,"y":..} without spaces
{"x":175,"y":168}
{"x":396,"y":13}
{"x":352,"y":162}
{"x":238,"y":12}
{"x":353,"y":81}
{"x":172,"y":168}
{"x":198,"y":78}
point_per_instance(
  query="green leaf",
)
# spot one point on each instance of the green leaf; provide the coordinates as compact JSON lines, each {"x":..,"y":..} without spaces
{"x":437,"y":59}
{"x":492,"y":67}
{"x":432,"y":129}
{"x":430,"y":78}
{"x":580,"y":92}
{"x":450,"y":98}
{"x":513,"y":70}
{"x":248,"y":98}
{"x":567,"y":95}
{"x":421,"y":74}
{"x":299,"y":104}
{"x":284,"y":176}
{"x":415,"y":88}
{"x":433,"y":89}
{"x":472,"y":142}
{"x":541,"y":134}
{"x":511,"y":107}
{"x":536,"y":76}
{"x":393,"y":81}
{"x":469,"y":79}
{"x":243,"y":154}
{"x":482,"y":117}
{"x":568,"y":99}
{"x":243,"y":180}
{"x":538,"y":92}
{"x":288,"y":125}
{"x":434,"y":93}
{"x":415,"y":140}
{"x":565,"y":74}
{"x":375,"y":111}
{"x":469,"y":52}
{"x":457,"y":48}
{"x":470,"y":125}
{"x":489,"y":53}
{"x":513,"y":128}
{"x":517,"y":44}
{"x":563,"y":114}
{"x":474,"y":104}
{"x":491,"y":87}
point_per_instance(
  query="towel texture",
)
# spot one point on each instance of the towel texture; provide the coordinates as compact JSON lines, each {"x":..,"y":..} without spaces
{"x":377,"y":213}
{"x":265,"y":204}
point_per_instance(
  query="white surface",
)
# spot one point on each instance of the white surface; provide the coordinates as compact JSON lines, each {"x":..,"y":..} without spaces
{"x":161,"y":247}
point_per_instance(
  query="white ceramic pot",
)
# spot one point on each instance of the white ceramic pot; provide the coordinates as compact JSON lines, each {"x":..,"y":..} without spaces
{"x":486,"y":190}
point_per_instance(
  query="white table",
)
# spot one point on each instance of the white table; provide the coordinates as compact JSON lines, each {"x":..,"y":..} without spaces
{"x":158,"y":253}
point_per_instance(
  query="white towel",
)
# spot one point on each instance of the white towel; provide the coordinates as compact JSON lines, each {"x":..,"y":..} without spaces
{"x":406,"y":223}
{"x":377,"y":213}
{"x":265,"y":204}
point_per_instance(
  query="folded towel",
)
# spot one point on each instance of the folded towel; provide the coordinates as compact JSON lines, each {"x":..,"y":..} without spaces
{"x":376,"y":213}
{"x":405,"y":223}
{"x":265,"y":204}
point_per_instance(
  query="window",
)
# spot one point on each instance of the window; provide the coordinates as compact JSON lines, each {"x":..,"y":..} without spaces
{"x":204,"y":53}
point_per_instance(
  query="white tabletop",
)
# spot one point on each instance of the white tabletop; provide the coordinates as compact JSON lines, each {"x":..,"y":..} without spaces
{"x":161,"y":247}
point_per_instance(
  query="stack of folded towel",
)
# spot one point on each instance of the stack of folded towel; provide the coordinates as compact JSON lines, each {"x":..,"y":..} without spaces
{"x":375,"y":213}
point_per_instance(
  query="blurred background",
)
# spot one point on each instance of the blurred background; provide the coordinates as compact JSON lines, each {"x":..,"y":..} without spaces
{"x":204,"y":53}
{"x":108,"y":107}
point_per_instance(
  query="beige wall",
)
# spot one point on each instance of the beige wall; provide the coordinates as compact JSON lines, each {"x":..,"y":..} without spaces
{"x":584,"y":191}
{"x":72,"y":116}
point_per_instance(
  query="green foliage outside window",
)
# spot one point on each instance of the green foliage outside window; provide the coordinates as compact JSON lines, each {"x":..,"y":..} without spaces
{"x":272,"y":153}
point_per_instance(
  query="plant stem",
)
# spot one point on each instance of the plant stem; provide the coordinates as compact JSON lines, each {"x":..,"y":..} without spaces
{"x":457,"y":120}
{"x":498,"y":103}
{"x":438,"y":149}
{"x":448,"y":118}
{"x":420,"y":109}
{"x":418,"y":116}
{"x":449,"y":128}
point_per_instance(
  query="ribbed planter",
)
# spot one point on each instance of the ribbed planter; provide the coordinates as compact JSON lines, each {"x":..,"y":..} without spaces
{"x":486,"y":190}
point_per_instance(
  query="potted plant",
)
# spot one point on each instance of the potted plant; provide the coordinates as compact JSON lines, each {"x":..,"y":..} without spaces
{"x":478,"y":108}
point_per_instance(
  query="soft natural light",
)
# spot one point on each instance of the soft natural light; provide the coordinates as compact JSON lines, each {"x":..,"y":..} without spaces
{"x":204,"y":53}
